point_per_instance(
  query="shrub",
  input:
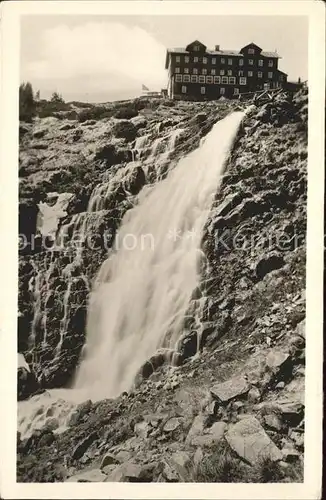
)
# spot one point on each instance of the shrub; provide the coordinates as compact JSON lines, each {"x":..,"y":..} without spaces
{"x":221,"y":467}
{"x":126,"y":113}
{"x":125,"y":130}
{"x":27,"y":105}
{"x":268,"y":471}
{"x":51,"y":108}
{"x":57,"y":98}
{"x":94,"y":113}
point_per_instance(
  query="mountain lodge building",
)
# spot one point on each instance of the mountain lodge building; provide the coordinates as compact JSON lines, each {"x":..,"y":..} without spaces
{"x":197,"y":73}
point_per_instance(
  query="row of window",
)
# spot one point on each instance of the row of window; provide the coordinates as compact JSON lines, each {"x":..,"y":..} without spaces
{"x":184,"y":90}
{"x":250,"y":51}
{"x":230,"y":80}
{"x":222,"y":60}
{"x":223,"y":72}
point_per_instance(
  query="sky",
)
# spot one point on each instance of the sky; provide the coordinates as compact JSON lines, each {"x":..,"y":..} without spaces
{"x":106,"y":58}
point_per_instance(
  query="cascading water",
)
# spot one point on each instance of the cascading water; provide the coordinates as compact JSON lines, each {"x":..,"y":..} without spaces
{"x":143,"y":289}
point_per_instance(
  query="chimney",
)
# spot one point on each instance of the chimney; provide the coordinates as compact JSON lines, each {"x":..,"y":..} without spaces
{"x":217,"y":48}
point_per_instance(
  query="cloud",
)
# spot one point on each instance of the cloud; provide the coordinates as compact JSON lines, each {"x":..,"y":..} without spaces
{"x":100,"y":56}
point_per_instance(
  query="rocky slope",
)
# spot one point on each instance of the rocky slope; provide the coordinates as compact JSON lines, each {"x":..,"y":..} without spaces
{"x":236,"y":411}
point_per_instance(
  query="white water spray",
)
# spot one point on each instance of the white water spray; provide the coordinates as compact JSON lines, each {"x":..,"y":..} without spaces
{"x":143,"y":289}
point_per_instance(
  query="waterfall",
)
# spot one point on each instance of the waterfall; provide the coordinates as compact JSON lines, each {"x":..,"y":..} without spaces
{"x":143,"y":290}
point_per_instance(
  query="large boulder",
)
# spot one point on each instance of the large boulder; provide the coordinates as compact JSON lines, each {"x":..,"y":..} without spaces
{"x":230,"y":389}
{"x":291,"y":411}
{"x":276,"y":359}
{"x":249,"y":440}
{"x":136,"y":181}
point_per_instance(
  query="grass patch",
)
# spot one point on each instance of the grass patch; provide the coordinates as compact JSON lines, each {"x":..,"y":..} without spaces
{"x":223,"y":466}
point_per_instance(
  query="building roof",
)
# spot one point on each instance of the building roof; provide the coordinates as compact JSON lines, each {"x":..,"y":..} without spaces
{"x":270,"y":54}
{"x":251,"y":44}
{"x":213,"y":52}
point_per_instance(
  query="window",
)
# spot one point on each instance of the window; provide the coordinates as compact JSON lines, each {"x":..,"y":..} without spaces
{"x":243,"y":81}
{"x":209,"y":79}
{"x":195,"y":59}
{"x":187,"y":70}
{"x":240,"y":73}
{"x":177,"y":58}
{"x":178,"y":78}
{"x":194,"y":78}
{"x":251,"y":62}
{"x":250,"y":73}
{"x":222,"y":60}
{"x":281,"y":78}
{"x":186,"y":78}
{"x":195,"y":71}
{"x":260,"y":74}
{"x":240,"y":62}
{"x":261,"y":62}
{"x":270,"y":63}
{"x":196,"y":48}
{"x":177,"y":70}
{"x":222,"y":72}
{"x":225,"y":79}
{"x":204,"y":60}
{"x":270,"y":74}
{"x":203,"y":90}
{"x":232,"y":80}
{"x":217,"y":79}
{"x":186,"y":59}
{"x":230,"y":62}
{"x":184,"y":89}
{"x":204,"y":71}
{"x":229,"y":72}
{"x":213,"y":71}
{"x":201,"y":79}
{"x":236,"y":91}
{"x":213,"y":60}
{"x":222,"y":90}
{"x":251,"y":51}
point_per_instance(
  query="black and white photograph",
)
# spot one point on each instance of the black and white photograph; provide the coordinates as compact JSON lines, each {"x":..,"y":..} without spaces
{"x":162,"y":296}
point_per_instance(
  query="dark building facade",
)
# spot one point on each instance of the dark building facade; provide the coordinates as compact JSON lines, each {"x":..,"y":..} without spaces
{"x":197,"y":73}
